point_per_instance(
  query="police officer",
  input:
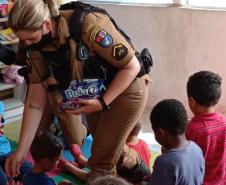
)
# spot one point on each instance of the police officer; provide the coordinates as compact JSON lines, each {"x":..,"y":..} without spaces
{"x":45,"y":33}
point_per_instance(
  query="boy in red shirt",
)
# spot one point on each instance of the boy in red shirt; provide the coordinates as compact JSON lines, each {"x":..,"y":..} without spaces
{"x":208,"y":127}
{"x":139,"y":145}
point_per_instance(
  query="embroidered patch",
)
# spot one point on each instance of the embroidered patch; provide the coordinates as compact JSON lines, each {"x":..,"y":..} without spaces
{"x":104,"y":39}
{"x":94,"y":32}
{"x":119,"y":51}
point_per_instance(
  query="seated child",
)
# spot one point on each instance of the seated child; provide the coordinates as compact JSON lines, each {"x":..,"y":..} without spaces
{"x":141,"y":168}
{"x":5,"y":151}
{"x":45,"y":150}
{"x":139,"y":145}
{"x":137,"y":172}
{"x":208,"y":127}
{"x":183,"y":162}
{"x":108,"y":180}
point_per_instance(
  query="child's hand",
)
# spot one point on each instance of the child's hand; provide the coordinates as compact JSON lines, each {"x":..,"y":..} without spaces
{"x":1,"y":129}
{"x":66,"y":182}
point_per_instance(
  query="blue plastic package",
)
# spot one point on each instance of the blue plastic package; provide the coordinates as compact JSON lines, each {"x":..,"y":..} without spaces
{"x":87,"y":89}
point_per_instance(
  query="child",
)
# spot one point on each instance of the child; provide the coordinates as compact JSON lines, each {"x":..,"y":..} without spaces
{"x":45,"y":151}
{"x":108,"y":180}
{"x":182,"y":163}
{"x":208,"y":127}
{"x":139,"y":145}
{"x":141,"y":169}
{"x":5,"y":151}
{"x":135,"y":174}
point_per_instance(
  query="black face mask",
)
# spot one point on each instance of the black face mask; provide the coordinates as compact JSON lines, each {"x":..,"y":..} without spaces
{"x":47,"y":38}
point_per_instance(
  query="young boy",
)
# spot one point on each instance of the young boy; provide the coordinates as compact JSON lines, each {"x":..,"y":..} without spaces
{"x":208,"y":127}
{"x":45,"y":151}
{"x":183,"y":162}
{"x":141,"y":169}
{"x":139,"y":145}
{"x":5,"y":150}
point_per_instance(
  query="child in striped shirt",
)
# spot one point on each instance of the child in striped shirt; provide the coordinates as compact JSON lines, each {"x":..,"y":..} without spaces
{"x":208,"y":127}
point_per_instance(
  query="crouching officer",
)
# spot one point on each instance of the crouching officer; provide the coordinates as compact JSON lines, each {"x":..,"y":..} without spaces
{"x":75,"y":45}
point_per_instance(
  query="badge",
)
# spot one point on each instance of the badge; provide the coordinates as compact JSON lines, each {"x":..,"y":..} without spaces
{"x":104,"y":39}
{"x":101,"y":37}
{"x":119,"y":51}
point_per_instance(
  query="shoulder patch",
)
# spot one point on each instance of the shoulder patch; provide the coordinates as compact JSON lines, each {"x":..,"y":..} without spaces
{"x":104,"y":39}
{"x":101,"y":37}
{"x":119,"y":51}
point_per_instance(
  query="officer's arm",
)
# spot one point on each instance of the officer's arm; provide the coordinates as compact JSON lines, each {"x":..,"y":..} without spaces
{"x":122,"y":80}
{"x":103,"y":39}
{"x":33,"y":109}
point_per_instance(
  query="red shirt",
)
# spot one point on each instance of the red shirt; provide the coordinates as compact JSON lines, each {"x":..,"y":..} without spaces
{"x":209,"y":132}
{"x":142,"y":149}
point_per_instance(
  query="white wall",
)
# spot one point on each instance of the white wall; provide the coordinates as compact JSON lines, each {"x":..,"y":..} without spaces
{"x":182,"y":41}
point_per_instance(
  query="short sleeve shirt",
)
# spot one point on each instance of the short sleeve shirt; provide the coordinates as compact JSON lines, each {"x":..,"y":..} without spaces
{"x":179,"y":167}
{"x":101,"y":36}
{"x":31,"y":178}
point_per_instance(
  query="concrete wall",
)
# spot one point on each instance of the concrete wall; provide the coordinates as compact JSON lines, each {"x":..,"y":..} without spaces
{"x":182,"y":41}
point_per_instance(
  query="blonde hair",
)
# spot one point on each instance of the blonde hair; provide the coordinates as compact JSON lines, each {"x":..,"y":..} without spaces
{"x":30,"y":14}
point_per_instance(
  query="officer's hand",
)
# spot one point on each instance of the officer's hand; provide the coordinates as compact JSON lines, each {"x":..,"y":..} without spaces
{"x":13,"y":164}
{"x":87,"y":106}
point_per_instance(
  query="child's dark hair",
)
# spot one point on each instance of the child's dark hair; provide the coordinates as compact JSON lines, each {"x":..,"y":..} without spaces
{"x":169,"y":114}
{"x":136,"y":129}
{"x":205,"y":88}
{"x":45,"y":145}
{"x":108,"y":180}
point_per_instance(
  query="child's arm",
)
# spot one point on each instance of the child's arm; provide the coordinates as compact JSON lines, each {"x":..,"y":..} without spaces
{"x":82,"y":160}
{"x":80,"y":173}
{"x":77,"y":153}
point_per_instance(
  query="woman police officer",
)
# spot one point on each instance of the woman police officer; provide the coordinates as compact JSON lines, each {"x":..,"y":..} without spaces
{"x":45,"y":31}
